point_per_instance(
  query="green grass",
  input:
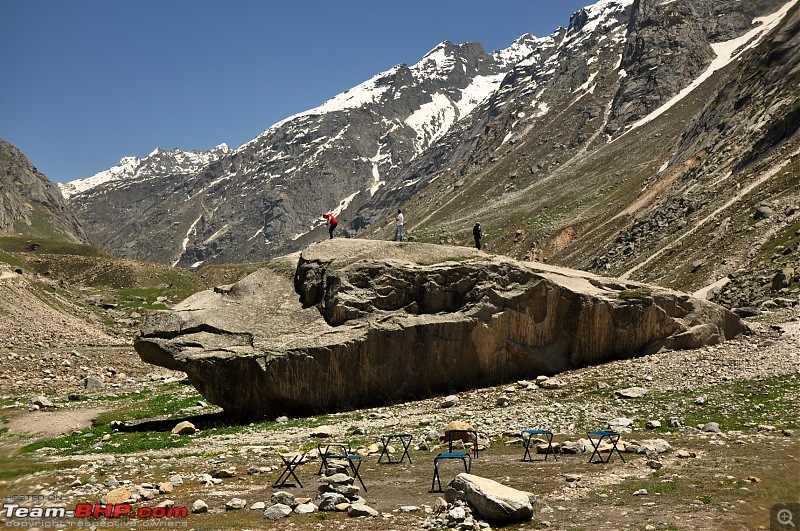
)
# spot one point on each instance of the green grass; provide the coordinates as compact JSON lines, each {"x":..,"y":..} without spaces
{"x":40,"y":226}
{"x":168,"y":400}
{"x":146,"y":298}
{"x":22,"y":244}
{"x":11,"y":260}
{"x":635,"y":293}
{"x":736,"y":406}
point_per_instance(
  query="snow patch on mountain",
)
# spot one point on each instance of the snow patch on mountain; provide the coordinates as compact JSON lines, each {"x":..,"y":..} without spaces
{"x":600,"y":15}
{"x":432,"y":120}
{"x":159,"y":160}
{"x":726,"y":52}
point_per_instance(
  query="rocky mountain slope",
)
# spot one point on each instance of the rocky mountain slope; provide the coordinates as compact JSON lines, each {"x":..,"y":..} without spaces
{"x":30,"y":204}
{"x":263,"y":198}
{"x":640,"y":141}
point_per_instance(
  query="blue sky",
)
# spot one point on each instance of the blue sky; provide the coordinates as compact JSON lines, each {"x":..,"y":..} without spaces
{"x":86,"y":82}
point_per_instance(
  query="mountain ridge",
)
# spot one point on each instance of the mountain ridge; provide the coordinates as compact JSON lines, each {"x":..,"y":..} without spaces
{"x":587,"y":151}
{"x":30,"y":204}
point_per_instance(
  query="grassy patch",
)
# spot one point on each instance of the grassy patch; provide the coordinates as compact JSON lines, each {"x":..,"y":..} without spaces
{"x":635,"y":293}
{"x":89,"y":441}
{"x":167,"y":400}
{"x":42,"y":246}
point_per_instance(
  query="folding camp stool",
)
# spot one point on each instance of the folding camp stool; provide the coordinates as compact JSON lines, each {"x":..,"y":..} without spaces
{"x":331,"y":451}
{"x":454,"y":435}
{"x":465,"y":457}
{"x":290,"y":463}
{"x":613,"y":438}
{"x":527,"y":439}
{"x":338,"y":451}
{"x":405,"y":442}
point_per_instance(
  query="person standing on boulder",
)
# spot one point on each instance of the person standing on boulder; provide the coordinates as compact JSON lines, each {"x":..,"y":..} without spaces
{"x":332,"y":222}
{"x":398,"y":231}
{"x":477,"y":233}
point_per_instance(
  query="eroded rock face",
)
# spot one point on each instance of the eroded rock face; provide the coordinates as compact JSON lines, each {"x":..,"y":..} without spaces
{"x":378,"y":322}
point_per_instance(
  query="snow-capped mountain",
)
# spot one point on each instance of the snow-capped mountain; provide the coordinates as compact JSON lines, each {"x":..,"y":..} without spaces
{"x":616,"y":139}
{"x":273,"y":190}
{"x":158,"y":162}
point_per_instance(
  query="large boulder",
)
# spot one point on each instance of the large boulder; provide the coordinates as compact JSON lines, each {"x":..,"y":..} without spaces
{"x":367,"y":322}
{"x":493,"y":501}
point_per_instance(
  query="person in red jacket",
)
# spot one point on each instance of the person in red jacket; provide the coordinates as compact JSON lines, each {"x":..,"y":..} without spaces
{"x":332,"y":222}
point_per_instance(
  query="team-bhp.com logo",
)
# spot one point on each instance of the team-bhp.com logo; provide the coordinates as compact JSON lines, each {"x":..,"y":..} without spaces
{"x":16,"y":513}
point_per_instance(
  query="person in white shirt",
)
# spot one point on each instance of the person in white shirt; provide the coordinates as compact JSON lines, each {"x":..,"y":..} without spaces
{"x":398,"y":231}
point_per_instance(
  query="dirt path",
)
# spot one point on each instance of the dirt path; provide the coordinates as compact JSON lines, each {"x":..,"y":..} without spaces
{"x":47,"y":423}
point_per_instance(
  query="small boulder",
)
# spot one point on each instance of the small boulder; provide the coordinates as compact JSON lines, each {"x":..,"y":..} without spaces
{"x":322,"y":432}
{"x":235,"y":504}
{"x":116,"y":496}
{"x":92,"y":383}
{"x":361,"y":509}
{"x":305,"y":508}
{"x":42,"y":401}
{"x":199,"y":506}
{"x":492,"y":501}
{"x":551,"y":383}
{"x":281,"y":496}
{"x":449,"y":401}
{"x":631,"y":392}
{"x":184,"y":428}
{"x":223,"y":473}
{"x":277,"y":511}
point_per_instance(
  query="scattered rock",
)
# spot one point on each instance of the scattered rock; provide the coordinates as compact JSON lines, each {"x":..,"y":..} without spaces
{"x":631,"y":392}
{"x":277,"y":511}
{"x":675,"y":422}
{"x":322,"y":432}
{"x":658,"y":446}
{"x":281,"y":496}
{"x":117,"y":496}
{"x":92,"y":383}
{"x":199,"y":506}
{"x":235,"y":504}
{"x":184,"y":428}
{"x":361,"y":509}
{"x":41,"y":401}
{"x":655,"y":465}
{"x":305,"y":508}
{"x":652,"y":424}
{"x":223,"y":473}
{"x":491,"y":500}
{"x":449,"y":401}
{"x":551,"y":383}
{"x":700,"y":400}
{"x":711,"y":427}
